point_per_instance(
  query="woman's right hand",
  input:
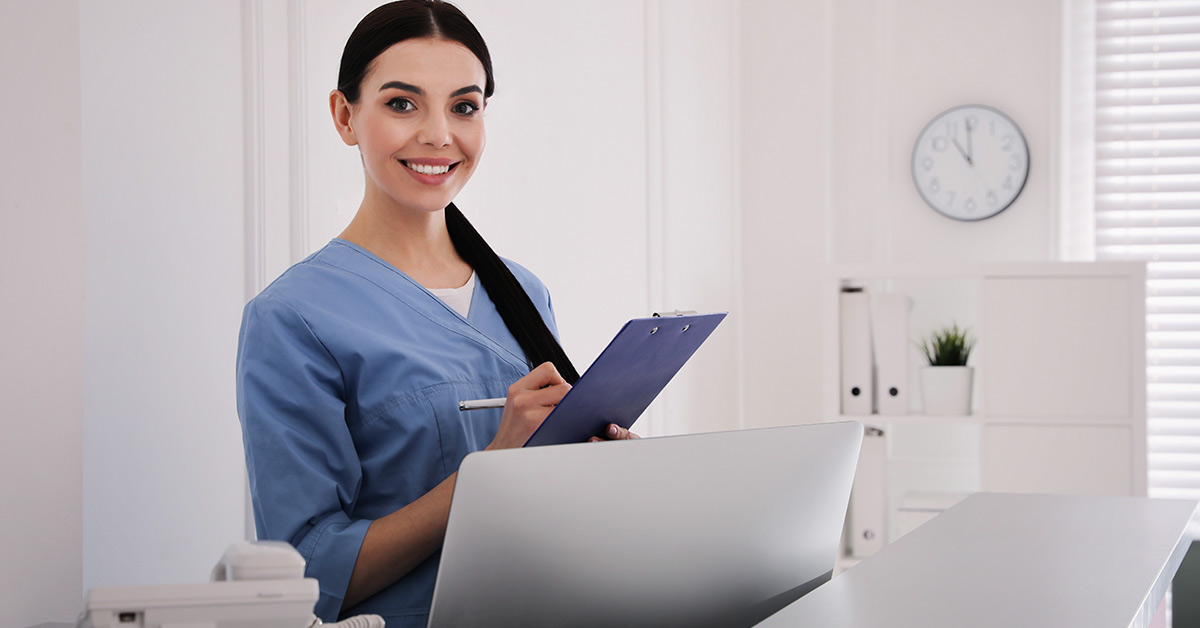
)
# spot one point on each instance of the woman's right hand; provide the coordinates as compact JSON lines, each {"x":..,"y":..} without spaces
{"x":530,"y":400}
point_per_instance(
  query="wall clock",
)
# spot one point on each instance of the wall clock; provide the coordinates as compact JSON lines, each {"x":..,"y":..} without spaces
{"x":970,"y":162}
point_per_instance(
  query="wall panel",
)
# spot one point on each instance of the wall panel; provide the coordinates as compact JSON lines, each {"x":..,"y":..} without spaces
{"x":785,"y":133}
{"x":41,"y":313}
{"x":162,"y":148}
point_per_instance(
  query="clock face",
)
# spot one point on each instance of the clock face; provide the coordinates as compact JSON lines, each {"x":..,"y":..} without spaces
{"x":970,"y":162}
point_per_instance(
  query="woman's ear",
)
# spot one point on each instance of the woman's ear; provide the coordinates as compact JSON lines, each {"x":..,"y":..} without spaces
{"x":341,"y":110}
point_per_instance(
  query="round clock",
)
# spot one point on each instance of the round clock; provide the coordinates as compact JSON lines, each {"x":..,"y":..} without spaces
{"x":970,"y":162}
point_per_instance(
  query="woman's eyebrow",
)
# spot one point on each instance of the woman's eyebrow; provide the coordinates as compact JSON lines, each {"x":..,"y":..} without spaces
{"x":420,"y":92}
{"x":402,"y":85}
{"x":466,"y":90}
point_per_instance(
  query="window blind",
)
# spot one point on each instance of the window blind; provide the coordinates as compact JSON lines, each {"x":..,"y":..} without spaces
{"x":1147,"y":208}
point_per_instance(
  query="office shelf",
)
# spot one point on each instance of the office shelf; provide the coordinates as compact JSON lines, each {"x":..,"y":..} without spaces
{"x":1059,"y":402}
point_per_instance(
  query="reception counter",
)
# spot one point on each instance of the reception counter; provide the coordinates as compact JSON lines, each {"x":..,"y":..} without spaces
{"x":1000,"y":560}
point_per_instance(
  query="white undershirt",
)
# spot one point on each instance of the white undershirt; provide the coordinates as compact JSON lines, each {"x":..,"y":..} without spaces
{"x":459,"y":299}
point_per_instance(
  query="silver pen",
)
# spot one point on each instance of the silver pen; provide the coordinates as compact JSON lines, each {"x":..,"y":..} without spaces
{"x":482,"y":404}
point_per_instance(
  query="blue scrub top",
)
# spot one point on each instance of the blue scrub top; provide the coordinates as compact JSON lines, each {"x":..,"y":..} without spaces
{"x":349,"y":375}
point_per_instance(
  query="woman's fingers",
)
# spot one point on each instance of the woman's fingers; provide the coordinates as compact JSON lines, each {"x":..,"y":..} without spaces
{"x":546,"y":397}
{"x":544,"y":375}
{"x":530,"y":400}
{"x":543,"y":387}
{"x":614,"y":432}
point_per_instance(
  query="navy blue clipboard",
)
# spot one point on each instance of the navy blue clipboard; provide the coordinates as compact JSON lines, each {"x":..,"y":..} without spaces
{"x":627,"y":376}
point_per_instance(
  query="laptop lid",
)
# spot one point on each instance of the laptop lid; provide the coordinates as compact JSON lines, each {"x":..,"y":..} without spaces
{"x":719,"y":529}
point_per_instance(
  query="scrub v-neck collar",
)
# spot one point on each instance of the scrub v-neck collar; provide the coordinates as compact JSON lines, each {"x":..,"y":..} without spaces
{"x":383,"y":274}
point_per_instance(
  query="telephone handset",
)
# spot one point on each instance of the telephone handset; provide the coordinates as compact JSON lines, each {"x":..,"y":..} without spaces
{"x":255,"y":585}
{"x":260,"y":560}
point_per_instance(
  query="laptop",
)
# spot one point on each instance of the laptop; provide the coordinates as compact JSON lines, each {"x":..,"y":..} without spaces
{"x":718,"y":529}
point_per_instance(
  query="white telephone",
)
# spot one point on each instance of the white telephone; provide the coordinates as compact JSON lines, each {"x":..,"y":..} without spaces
{"x":256,"y":585}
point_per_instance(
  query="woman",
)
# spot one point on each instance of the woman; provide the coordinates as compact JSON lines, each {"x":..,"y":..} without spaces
{"x":352,"y":363}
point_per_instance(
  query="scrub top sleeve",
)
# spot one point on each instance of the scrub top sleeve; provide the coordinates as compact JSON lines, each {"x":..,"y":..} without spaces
{"x":304,"y":472}
{"x":538,"y":293}
{"x":551,"y":322}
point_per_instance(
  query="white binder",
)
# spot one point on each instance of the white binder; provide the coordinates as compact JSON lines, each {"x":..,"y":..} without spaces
{"x":856,"y":382}
{"x":868,"y":500}
{"x":892,"y":390}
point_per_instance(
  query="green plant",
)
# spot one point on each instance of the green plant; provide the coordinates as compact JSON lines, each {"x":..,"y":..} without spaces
{"x":948,"y":346}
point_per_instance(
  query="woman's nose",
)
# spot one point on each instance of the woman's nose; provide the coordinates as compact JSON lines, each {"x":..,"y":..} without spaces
{"x":434,"y":131}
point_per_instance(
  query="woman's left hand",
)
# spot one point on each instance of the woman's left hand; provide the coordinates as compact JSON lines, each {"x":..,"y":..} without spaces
{"x":614,"y":432}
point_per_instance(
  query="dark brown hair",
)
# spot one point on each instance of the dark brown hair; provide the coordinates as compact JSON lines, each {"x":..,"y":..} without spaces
{"x":391,"y":24}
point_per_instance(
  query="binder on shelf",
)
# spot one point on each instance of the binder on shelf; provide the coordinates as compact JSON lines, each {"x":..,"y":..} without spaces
{"x":857,"y":388}
{"x":868,"y":499}
{"x":892,"y":383}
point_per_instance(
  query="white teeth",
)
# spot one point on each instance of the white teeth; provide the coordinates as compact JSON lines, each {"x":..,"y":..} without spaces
{"x":423,"y":169}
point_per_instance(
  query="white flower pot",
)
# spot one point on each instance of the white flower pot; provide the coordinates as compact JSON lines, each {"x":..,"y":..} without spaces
{"x":946,"y":390}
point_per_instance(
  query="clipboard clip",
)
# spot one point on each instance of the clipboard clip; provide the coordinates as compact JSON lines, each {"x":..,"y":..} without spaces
{"x":674,"y":313}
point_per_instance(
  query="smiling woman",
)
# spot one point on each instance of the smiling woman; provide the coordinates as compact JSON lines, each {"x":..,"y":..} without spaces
{"x":420,"y":131}
{"x":351,"y":365}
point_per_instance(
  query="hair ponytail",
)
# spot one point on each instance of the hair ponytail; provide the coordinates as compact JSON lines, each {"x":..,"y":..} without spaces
{"x":516,"y":308}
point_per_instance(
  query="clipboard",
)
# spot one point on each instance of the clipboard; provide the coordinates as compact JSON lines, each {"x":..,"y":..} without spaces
{"x":630,"y":372}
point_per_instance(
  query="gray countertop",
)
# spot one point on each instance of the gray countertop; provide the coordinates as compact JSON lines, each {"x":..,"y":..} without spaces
{"x":1000,"y":560}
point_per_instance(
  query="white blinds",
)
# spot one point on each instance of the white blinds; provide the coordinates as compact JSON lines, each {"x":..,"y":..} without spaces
{"x":1148,"y":208}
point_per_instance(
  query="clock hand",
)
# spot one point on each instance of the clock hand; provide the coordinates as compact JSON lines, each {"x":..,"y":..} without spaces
{"x":961,"y":151}
{"x":970,"y":134}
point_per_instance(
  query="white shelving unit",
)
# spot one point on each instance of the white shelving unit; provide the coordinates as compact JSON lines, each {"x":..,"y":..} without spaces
{"x":1060,"y":394}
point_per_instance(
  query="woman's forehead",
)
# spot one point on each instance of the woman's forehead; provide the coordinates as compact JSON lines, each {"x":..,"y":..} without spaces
{"x":434,"y":62}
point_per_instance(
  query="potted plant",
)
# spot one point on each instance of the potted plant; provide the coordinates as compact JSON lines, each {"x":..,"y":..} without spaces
{"x":946,"y":382}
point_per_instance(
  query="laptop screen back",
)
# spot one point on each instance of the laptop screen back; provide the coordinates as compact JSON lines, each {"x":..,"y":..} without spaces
{"x":719,"y":529}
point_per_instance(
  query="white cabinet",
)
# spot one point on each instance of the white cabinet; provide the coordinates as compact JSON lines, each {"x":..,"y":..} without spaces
{"x":1059,"y":393}
{"x":1060,"y":346}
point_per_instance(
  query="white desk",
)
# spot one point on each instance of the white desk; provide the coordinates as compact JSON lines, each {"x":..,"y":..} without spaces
{"x":998,"y":560}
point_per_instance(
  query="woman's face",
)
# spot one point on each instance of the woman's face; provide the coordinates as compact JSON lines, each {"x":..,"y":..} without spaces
{"x":419,"y":123}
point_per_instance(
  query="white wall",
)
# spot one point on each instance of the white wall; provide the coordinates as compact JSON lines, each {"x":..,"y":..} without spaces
{"x":41,"y":312}
{"x":162,"y":197}
{"x":786,"y":114}
{"x":700,"y":248}
{"x":897,"y":64}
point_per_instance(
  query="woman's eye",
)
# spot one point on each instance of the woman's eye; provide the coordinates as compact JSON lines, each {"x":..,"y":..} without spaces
{"x":401,"y":104}
{"x":465,"y":108}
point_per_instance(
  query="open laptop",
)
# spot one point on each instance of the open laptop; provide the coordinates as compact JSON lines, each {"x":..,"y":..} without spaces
{"x":719,"y":529}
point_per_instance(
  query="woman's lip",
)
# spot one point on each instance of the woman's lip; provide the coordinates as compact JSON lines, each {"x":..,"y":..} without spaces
{"x":428,"y":161}
{"x":429,"y":178}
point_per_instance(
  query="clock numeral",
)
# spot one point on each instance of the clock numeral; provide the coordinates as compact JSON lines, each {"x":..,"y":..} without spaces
{"x":935,"y":186}
{"x":992,"y":198}
{"x":927,"y":163}
{"x":969,"y":204}
{"x":1008,"y":182}
{"x":972,"y":123}
{"x":940,"y":144}
{"x":951,"y":194}
{"x":1014,"y":162}
{"x":1007,"y":141}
